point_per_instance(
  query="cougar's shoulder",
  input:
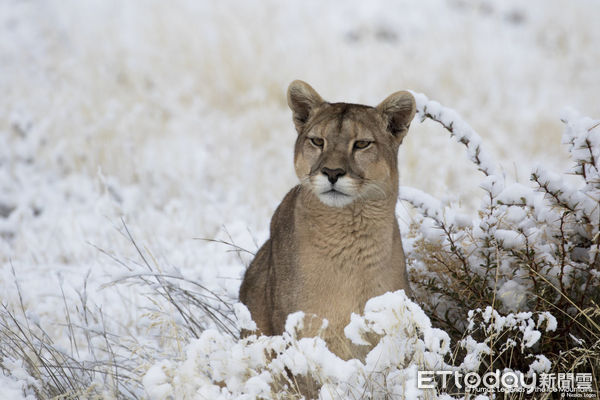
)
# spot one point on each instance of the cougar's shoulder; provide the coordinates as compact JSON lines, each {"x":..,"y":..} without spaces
{"x":282,"y":222}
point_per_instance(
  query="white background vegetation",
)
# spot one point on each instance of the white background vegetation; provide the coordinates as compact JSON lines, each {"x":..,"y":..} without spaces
{"x":128,"y":130}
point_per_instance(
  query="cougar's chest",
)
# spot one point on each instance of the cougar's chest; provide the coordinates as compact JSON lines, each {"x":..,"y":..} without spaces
{"x":343,"y":260}
{"x":344,"y":247}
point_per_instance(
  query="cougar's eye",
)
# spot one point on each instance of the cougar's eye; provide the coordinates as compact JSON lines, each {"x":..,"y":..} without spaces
{"x":317,"y":141}
{"x":361,"y":144}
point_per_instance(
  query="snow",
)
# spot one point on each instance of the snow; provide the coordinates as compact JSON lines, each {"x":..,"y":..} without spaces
{"x":509,"y":239}
{"x":539,"y":365}
{"x":13,"y":390}
{"x":19,"y":384}
{"x":243,"y":317}
{"x":459,"y":130}
{"x":156,"y":381}
{"x":427,"y":204}
{"x":512,"y":294}
{"x":531,"y":337}
{"x":171,"y":118}
{"x":248,"y":366}
{"x":294,"y":323}
{"x":551,"y":323}
{"x":475,"y":351}
{"x":492,"y":322}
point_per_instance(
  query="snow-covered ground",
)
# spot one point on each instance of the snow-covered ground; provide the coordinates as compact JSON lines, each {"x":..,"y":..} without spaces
{"x":171,"y":117}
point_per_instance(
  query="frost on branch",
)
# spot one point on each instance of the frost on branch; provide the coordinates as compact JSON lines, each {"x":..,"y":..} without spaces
{"x":582,"y":136}
{"x":531,"y":252}
{"x":520,"y":330}
{"x":459,"y":130}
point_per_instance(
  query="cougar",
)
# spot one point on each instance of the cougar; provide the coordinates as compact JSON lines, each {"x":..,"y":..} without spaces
{"x":334,"y":240}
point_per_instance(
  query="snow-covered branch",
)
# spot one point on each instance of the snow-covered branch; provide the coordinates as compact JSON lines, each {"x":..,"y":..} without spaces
{"x":461,"y":131}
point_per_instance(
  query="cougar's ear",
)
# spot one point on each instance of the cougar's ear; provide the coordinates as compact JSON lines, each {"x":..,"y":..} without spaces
{"x":302,"y":99}
{"x":398,"y":111}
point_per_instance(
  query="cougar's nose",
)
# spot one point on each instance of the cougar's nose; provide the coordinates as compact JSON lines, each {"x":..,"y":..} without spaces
{"x":333,"y":174}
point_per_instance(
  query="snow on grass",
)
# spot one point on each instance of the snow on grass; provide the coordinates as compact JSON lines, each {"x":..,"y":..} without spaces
{"x":250,"y":366}
{"x":172,"y":118}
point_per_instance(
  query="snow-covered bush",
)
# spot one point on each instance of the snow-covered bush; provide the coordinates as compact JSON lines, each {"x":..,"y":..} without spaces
{"x":219,"y":366}
{"x":527,"y":263}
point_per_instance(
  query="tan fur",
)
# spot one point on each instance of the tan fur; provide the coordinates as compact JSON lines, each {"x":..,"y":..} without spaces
{"x":329,"y":253}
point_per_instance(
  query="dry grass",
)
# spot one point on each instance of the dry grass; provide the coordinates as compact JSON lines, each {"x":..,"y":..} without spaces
{"x":114,"y":363}
{"x":92,"y":369}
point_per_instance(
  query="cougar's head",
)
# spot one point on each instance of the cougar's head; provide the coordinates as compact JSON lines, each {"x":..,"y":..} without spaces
{"x":348,"y":152}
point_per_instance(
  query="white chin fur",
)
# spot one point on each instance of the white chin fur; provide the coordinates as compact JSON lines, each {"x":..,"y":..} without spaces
{"x":335,"y":199}
{"x":342,"y":195}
